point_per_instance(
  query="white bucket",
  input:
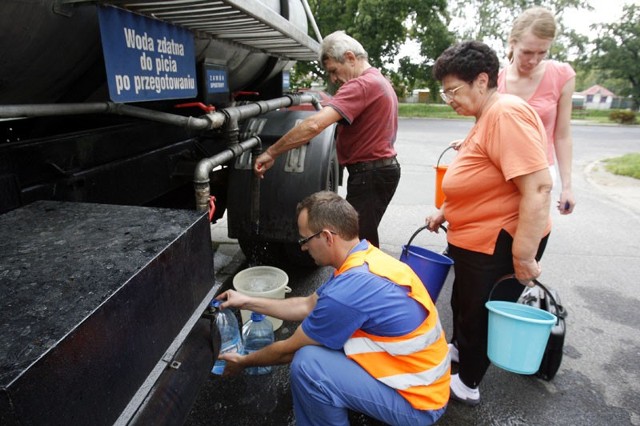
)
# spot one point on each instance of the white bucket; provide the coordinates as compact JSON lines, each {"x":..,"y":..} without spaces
{"x":262,"y":281}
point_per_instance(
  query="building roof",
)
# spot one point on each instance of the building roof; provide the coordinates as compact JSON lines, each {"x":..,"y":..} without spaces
{"x":597,"y":90}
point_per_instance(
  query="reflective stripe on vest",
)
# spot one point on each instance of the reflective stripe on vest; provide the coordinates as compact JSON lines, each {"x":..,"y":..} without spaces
{"x":405,"y":381}
{"x":357,"y":345}
{"x":417,"y":364}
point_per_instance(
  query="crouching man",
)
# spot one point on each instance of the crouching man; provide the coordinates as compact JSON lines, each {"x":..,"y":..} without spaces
{"x":370,"y":338}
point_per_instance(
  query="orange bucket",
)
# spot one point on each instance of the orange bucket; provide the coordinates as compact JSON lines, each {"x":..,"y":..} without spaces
{"x":440,"y":171}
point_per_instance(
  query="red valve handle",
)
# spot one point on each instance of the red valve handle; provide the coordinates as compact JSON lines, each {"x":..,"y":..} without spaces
{"x":242,"y":93}
{"x":205,"y":108}
{"x":212,"y":207}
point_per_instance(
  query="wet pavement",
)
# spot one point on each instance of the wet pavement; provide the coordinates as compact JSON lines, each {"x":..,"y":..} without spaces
{"x":258,"y":400}
{"x":593,"y":259}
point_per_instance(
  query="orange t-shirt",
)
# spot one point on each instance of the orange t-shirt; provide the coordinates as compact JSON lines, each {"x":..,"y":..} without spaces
{"x":508,"y":141}
{"x":546,"y":97}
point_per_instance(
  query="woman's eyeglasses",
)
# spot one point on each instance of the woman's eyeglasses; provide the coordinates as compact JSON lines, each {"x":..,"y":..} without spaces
{"x":448,"y":95}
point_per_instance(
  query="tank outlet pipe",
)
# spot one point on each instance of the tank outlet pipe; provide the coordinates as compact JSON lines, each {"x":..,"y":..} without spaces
{"x":206,"y":165}
{"x":316,"y":104}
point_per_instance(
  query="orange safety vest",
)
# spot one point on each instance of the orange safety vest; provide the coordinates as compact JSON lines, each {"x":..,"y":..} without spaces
{"x":417,"y":364}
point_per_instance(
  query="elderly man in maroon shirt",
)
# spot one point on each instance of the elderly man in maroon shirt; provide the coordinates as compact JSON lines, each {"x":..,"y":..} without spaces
{"x":366,"y":110}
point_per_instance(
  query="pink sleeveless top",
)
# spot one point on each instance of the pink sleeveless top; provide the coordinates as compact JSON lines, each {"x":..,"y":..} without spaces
{"x":546,"y":97}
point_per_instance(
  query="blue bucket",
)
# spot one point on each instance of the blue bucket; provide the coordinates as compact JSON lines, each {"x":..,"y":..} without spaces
{"x":518,"y":335}
{"x":432,"y":268}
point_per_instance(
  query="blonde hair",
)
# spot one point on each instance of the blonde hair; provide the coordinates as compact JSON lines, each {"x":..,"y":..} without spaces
{"x":539,"y":20}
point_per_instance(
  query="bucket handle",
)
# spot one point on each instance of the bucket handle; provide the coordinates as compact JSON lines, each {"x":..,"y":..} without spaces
{"x":287,"y":289}
{"x":422,"y":228}
{"x":561,"y":312}
{"x":443,"y":152}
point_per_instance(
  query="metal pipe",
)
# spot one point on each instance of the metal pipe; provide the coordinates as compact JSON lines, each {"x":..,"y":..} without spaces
{"x":204,"y":167}
{"x":190,"y":123}
{"x":311,"y":19}
{"x":316,"y":104}
{"x":46,"y":110}
{"x":262,"y":107}
{"x":228,"y":116}
{"x":212,"y":120}
{"x":232,"y":116}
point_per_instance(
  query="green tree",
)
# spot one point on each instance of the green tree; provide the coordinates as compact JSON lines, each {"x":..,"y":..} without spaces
{"x":430,"y":28}
{"x":493,"y":21}
{"x":617,"y":52}
{"x":382,"y":26}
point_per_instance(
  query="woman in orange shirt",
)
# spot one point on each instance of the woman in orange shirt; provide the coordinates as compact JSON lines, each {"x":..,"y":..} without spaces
{"x":497,"y":201}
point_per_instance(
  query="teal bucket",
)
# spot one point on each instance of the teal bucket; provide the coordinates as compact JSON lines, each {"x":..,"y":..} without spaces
{"x":518,"y":335}
{"x":432,"y":268}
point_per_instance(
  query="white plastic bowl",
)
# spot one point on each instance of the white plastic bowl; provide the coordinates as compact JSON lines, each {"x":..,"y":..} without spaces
{"x":262,"y":281}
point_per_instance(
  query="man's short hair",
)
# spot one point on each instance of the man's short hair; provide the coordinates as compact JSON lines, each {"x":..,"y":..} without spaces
{"x":336,"y":44}
{"x":328,"y":210}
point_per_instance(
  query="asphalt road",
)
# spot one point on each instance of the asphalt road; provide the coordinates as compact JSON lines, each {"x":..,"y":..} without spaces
{"x":592,"y":260}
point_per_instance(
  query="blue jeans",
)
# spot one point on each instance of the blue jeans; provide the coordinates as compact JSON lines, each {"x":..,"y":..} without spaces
{"x":326,"y":385}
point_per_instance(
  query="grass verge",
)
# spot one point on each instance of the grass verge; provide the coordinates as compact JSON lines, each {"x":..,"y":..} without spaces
{"x":427,"y":111}
{"x":445,"y":111}
{"x":627,"y":165}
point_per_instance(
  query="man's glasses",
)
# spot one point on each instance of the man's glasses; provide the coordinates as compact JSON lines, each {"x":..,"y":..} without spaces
{"x":303,"y":241}
{"x":448,"y":95}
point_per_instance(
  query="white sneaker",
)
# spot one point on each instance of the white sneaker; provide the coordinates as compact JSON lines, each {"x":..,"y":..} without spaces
{"x":463,"y":393}
{"x":453,"y":353}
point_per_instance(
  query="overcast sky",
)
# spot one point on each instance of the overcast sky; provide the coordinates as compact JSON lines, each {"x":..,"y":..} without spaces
{"x":605,"y":11}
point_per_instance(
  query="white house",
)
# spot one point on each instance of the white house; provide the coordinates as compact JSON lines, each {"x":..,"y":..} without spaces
{"x":420,"y":96}
{"x":597,"y":97}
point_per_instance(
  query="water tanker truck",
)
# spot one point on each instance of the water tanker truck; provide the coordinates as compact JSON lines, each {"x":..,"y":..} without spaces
{"x":127,"y":128}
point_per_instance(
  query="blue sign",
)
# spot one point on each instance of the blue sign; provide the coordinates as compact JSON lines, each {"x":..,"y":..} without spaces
{"x":217,"y":81}
{"x":146,"y":59}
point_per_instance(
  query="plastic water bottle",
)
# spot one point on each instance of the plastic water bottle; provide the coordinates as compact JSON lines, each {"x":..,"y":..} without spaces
{"x":256,"y":334}
{"x":229,"y":334}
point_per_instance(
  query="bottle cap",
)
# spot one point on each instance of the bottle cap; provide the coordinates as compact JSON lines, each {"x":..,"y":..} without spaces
{"x":256,"y":317}
{"x":215,"y":303}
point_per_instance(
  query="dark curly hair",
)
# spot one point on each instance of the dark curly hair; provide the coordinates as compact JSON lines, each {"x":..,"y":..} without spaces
{"x":466,"y":60}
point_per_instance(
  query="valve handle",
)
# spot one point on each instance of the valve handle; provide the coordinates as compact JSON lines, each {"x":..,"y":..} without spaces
{"x":205,"y":108}
{"x":212,"y":207}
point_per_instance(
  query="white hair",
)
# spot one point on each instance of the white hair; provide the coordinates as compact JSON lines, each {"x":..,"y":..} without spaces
{"x":336,"y":44}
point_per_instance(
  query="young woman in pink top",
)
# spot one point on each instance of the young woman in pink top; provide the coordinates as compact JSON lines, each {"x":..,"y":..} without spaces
{"x":547,"y":86}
